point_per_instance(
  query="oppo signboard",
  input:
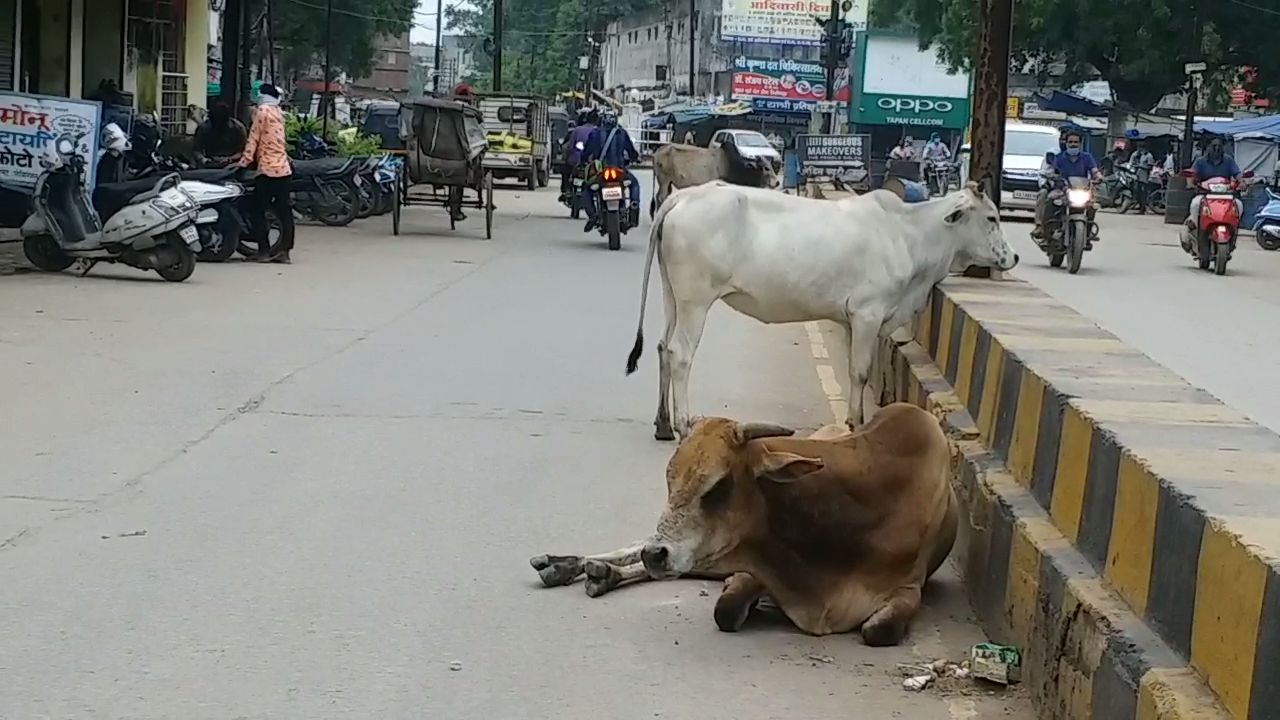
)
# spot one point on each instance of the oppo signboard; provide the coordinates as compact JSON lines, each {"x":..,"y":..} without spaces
{"x":900,"y":84}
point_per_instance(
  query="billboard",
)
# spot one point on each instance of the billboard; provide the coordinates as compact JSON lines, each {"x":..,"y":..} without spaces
{"x":790,"y":83}
{"x":839,"y":156}
{"x":783,"y":22}
{"x":900,"y":84}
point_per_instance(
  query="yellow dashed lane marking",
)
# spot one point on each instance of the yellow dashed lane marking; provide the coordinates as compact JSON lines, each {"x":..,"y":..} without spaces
{"x":826,"y":372}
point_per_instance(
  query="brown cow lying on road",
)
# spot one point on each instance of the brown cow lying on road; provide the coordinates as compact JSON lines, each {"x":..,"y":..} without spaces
{"x":840,"y":530}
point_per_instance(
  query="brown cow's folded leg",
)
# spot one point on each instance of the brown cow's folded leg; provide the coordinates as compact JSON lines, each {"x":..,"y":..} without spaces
{"x":603,"y":576}
{"x":740,"y":595}
{"x":888,"y":625}
{"x":557,"y":570}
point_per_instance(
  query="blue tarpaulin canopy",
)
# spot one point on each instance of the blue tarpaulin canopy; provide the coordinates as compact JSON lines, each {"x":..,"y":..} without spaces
{"x":679,"y":116}
{"x":1059,"y":101}
{"x":1266,"y":128}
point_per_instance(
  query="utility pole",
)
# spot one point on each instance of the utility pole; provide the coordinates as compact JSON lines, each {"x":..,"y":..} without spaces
{"x":435,"y":63}
{"x":991,"y":89}
{"x":834,"y":31}
{"x":271,"y":46}
{"x":497,"y":45}
{"x":325,"y":98}
{"x":229,"y":92}
{"x":693,"y":45}
{"x":1193,"y":91}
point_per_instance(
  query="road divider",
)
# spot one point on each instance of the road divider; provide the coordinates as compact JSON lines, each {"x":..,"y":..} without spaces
{"x":1123,"y":525}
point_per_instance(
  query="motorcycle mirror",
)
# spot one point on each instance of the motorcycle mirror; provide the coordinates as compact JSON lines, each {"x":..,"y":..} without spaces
{"x":65,"y":146}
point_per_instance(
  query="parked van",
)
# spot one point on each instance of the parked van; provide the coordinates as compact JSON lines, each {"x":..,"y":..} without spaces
{"x":1024,"y":148}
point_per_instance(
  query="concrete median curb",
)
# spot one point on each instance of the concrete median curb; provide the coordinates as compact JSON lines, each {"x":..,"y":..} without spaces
{"x":1124,"y":525}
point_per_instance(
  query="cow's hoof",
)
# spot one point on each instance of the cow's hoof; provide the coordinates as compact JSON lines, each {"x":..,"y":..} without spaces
{"x":601,"y":578}
{"x":557,"y":570}
{"x":884,"y":628}
{"x":664,"y":433}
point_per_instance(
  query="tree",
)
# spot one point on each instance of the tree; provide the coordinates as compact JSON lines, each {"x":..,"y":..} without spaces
{"x":543,"y":37}
{"x":1138,"y":46}
{"x":300,"y":30}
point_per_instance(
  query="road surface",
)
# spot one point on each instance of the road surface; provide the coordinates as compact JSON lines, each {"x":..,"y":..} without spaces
{"x":312,"y":491}
{"x":1220,"y":333}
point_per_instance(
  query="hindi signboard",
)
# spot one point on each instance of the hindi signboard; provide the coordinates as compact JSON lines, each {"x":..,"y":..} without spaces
{"x":784,"y":22}
{"x":30,"y":126}
{"x":839,"y":156}
{"x":803,"y":82}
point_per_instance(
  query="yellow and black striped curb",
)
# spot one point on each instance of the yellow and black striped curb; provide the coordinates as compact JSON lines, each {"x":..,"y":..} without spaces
{"x":1165,"y":495}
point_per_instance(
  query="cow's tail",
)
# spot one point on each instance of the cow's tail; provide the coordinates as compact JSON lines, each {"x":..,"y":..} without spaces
{"x":655,"y":237}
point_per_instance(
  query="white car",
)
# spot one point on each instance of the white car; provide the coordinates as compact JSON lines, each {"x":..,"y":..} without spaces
{"x":1025,"y":146}
{"x":750,"y":144}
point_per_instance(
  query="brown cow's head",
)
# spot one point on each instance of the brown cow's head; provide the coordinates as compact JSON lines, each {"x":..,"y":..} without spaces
{"x":712,"y":494}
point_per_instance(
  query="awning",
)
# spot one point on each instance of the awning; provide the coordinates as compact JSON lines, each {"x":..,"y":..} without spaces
{"x":1059,"y":101}
{"x":1267,"y":127}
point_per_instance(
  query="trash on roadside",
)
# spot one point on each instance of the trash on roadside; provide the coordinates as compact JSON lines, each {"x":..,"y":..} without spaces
{"x":916,"y":683}
{"x":456,"y":665}
{"x":997,"y":663}
{"x":822,"y":659}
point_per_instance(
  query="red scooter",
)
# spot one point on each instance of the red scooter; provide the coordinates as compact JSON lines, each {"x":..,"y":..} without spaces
{"x":1214,"y":239}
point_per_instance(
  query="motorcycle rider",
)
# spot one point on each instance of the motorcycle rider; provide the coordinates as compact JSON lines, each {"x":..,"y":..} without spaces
{"x":588,"y":118}
{"x":936,"y":152}
{"x":1073,"y":162}
{"x":1215,"y":162}
{"x":611,"y":145}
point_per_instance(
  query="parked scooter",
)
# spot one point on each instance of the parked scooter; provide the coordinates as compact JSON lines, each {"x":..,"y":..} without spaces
{"x":327,"y":190}
{"x":1267,"y":227}
{"x":150,"y":224}
{"x":614,"y":212}
{"x":1214,"y":239}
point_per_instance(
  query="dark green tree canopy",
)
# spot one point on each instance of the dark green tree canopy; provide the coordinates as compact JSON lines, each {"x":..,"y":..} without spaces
{"x":1139,"y":46}
{"x":299,"y":28}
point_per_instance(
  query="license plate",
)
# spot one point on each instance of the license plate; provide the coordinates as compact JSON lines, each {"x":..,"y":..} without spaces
{"x":1023,"y":195}
{"x":611,"y":193}
{"x":188,"y":234}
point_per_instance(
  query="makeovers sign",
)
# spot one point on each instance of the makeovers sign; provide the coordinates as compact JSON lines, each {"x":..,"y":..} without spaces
{"x":800,"y":81}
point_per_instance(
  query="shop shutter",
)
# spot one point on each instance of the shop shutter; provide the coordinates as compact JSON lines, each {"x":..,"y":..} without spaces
{"x":8,"y":16}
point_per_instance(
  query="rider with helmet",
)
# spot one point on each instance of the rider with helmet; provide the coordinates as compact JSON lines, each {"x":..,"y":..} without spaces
{"x":611,"y":145}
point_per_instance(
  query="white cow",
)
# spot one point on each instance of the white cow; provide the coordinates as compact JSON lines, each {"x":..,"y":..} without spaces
{"x":866,"y":263}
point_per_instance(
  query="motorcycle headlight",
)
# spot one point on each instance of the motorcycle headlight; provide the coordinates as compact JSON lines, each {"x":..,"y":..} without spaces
{"x":1079,"y":198}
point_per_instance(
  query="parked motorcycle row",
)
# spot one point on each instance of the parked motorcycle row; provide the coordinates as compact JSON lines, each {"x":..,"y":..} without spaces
{"x":156,"y":212}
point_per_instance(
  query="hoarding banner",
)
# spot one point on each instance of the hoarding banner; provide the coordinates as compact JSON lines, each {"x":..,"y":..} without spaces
{"x":783,"y":22}
{"x":30,"y":126}
{"x":912,"y":110}
{"x":841,"y":156}
{"x":785,"y":79}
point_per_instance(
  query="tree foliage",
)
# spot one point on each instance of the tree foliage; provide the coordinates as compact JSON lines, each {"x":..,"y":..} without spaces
{"x":300,"y":30}
{"x":542,"y":38}
{"x":1139,"y":46}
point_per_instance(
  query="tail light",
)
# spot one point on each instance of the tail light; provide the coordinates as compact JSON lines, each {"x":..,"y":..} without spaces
{"x":1221,"y":233}
{"x":611,"y":174}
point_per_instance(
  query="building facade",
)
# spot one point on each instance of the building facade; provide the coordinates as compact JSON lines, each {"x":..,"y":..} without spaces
{"x":392,"y":63}
{"x":154,"y":50}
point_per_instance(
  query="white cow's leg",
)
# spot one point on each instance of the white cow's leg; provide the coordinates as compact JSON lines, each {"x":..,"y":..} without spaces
{"x":662,"y":423}
{"x":557,"y":570}
{"x":603,"y":577}
{"x":863,"y":331}
{"x":691,"y":318}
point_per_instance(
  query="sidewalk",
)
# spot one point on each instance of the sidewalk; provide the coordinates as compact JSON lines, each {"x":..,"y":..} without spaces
{"x":11,"y":258}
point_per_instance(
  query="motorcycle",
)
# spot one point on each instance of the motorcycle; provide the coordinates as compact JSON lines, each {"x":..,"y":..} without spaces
{"x":1119,"y":189}
{"x":939,"y":177}
{"x":327,"y":190}
{"x":573,"y":200}
{"x":614,"y":212}
{"x":1071,"y":227}
{"x":1214,"y":238}
{"x":1267,"y":227}
{"x":149,"y":224}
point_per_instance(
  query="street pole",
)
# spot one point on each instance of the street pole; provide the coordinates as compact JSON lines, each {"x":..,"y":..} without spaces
{"x":990,"y":94}
{"x":497,"y":45}
{"x":833,"y":51}
{"x":1189,"y":125}
{"x":693,"y":45}
{"x":271,"y":46}
{"x":435,"y":63}
{"x":325,"y":99}
{"x":229,"y":92}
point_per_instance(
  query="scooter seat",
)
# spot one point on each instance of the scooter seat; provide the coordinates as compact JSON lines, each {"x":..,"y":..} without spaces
{"x":210,"y":175}
{"x":111,"y":198}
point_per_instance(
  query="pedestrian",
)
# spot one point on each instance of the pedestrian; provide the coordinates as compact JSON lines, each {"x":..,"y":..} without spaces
{"x":1142,"y":162}
{"x":220,"y":138}
{"x":267,"y":148}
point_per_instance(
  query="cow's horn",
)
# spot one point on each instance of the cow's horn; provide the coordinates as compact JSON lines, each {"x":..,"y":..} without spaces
{"x":755,"y":431}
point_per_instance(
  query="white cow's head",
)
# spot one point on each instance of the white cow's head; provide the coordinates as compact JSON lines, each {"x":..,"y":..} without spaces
{"x":980,"y":239}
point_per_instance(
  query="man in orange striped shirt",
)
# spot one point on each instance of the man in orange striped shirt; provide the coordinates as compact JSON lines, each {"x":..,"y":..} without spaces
{"x":267,"y":147}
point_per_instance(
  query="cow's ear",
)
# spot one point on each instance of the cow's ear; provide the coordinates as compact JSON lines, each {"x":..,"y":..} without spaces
{"x":785,"y":466}
{"x":956,"y":215}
